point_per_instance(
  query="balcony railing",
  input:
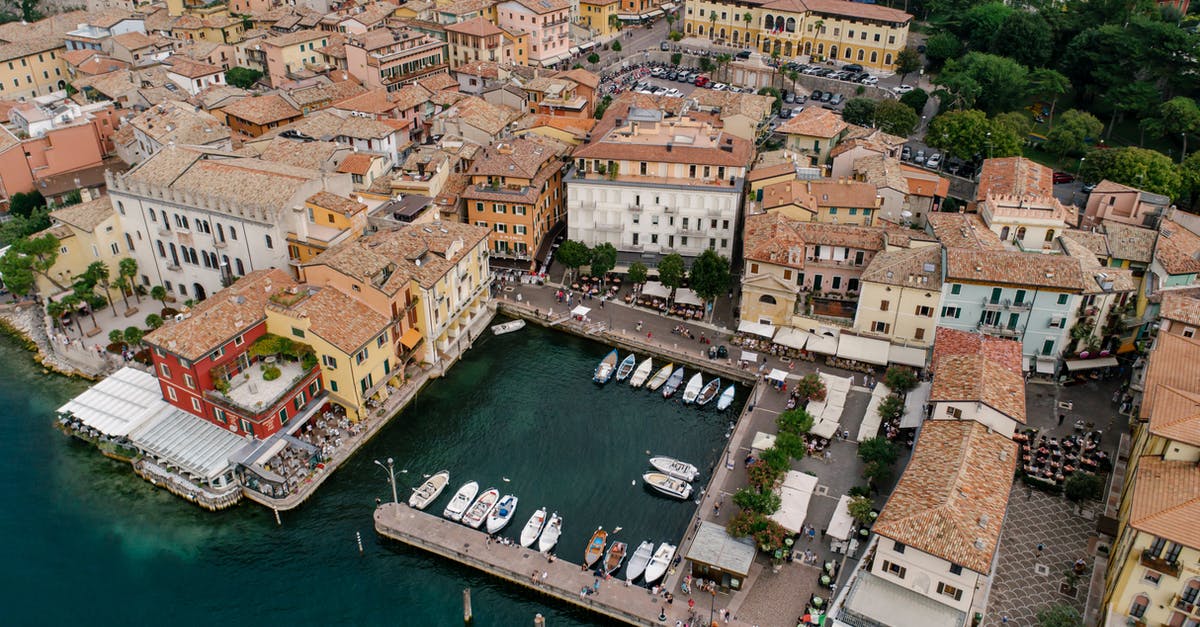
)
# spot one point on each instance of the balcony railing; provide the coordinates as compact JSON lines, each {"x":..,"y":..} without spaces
{"x":837,"y":263}
{"x":999,"y":330}
{"x":1190,"y":607}
{"x":1171,"y":567}
{"x":1006,"y":304}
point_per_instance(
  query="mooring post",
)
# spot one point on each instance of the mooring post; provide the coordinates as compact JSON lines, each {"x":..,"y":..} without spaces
{"x":539,"y":620}
{"x":467,"y":615}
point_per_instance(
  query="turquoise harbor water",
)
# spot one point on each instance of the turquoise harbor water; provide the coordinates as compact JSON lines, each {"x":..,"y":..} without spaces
{"x":88,"y":542}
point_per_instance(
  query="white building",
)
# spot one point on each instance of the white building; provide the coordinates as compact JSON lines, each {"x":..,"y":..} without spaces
{"x":652,"y":185}
{"x":197,"y":220}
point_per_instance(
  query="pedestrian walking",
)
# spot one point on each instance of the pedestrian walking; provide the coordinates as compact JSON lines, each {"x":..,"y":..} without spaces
{"x":828,"y":456}
{"x":1061,"y":418}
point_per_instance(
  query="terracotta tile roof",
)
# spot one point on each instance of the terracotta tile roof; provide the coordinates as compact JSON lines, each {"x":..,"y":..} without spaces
{"x":925,"y":183}
{"x":1097,"y":243}
{"x":331,"y":92}
{"x":788,"y":193}
{"x":482,"y":69}
{"x":951,"y":500}
{"x":544,"y":6}
{"x":1014,"y":176}
{"x":866,"y":135}
{"x":460,"y":7}
{"x":948,"y":342}
{"x":579,"y":127}
{"x":1130,"y":242}
{"x":18,"y":49}
{"x":813,"y":122}
{"x":844,"y":193}
{"x":223,"y":316}
{"x":358,"y":163}
{"x":781,"y":169}
{"x":262,"y":110}
{"x":773,"y":238}
{"x":380,"y":101}
{"x":85,"y":216}
{"x":1176,"y":415}
{"x":672,"y":141}
{"x":1097,"y":277}
{"x":439,"y":82}
{"x":337,"y":318}
{"x":1013,"y":268}
{"x":908,"y":267}
{"x":1181,"y":306}
{"x":476,"y":27}
{"x":1166,"y":500}
{"x":1175,"y":363}
{"x":581,"y":76}
{"x":423,"y":252}
{"x":729,"y":103}
{"x":1178,"y":249}
{"x":489,"y":118}
{"x":903,"y":236}
{"x":100,"y":64}
{"x":849,"y":235}
{"x":333,"y":202}
{"x":974,"y":378}
{"x":75,"y":57}
{"x":190,"y":68}
{"x":880,"y":171}
{"x":179,"y":122}
{"x":314,"y":155}
{"x":963,"y":230}
{"x":855,"y":10}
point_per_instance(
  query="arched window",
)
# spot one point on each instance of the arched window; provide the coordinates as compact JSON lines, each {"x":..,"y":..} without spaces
{"x":1049,"y":235}
{"x":735,"y":36}
{"x":162,"y":252}
{"x":874,"y":57}
{"x":689,"y":29}
{"x":808,"y":47}
{"x":887,"y":59}
{"x":860,"y":55}
{"x":1137,"y":609}
{"x":699,"y":30}
{"x":787,"y":49}
{"x":1191,"y":592}
{"x":1021,"y":233}
{"x":833,"y":50}
{"x":1003,"y":233}
{"x":766,"y":46}
{"x":241,"y":270}
{"x":722,"y":33}
{"x":767,"y":298}
{"x":820,"y":49}
{"x":769,"y":22}
{"x":848,"y":51}
{"x":791,"y":25}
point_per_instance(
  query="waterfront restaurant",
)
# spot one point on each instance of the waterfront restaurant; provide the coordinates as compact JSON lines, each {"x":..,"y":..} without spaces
{"x":720,"y":557}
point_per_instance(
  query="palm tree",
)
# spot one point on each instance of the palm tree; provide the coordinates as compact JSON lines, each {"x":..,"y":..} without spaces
{"x":84,"y":289}
{"x":712,"y":23}
{"x":71,"y":302}
{"x":122,"y":284}
{"x":793,"y":76}
{"x":670,"y":20}
{"x":98,"y":273}
{"x":723,"y":61}
{"x":614,"y":22}
{"x":128,"y":268}
{"x":159,"y":293}
{"x":55,"y":309}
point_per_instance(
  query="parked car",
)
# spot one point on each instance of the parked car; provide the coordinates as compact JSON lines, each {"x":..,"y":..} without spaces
{"x":902,"y":89}
{"x":1087,"y":188}
{"x":789,"y":98}
{"x":837,"y":100}
{"x":827,"y":96}
{"x":906,"y":153}
{"x":934,"y":161}
{"x":672,"y":76}
{"x":870,"y":80}
{"x":1063,"y":177}
{"x":853,"y":67}
{"x":745,"y":54}
{"x":785,"y":113}
{"x":664,"y":46}
{"x":701,"y":80}
{"x":920,"y":158}
{"x":816,"y":95}
{"x":719,"y":86}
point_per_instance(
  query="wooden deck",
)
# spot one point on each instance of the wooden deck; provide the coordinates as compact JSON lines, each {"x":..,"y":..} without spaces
{"x":526,"y":567}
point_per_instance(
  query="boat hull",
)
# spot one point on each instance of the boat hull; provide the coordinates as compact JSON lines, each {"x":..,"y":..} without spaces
{"x":483,"y":505}
{"x":668,"y":485}
{"x":673,"y":383}
{"x":461,"y":501}
{"x":695,"y":384}
{"x":626,"y":368}
{"x":502,"y":514}
{"x":508,"y":327}
{"x":606,"y":369}
{"x":726,"y":399}
{"x":430,"y":490}
{"x":533,"y":528}
{"x":708,"y":393}
{"x":641,"y":374}
{"x":660,"y":562}
{"x":595,"y":548}
{"x":548,"y":539}
{"x":675,"y":468}
{"x":639,"y":561}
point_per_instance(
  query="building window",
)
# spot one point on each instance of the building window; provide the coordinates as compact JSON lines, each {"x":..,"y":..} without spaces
{"x":955,"y":288}
{"x":1152,"y":577}
{"x":883,"y":305}
{"x":1137,"y":609}
{"x":189,"y":381}
{"x":297,"y":332}
{"x":919,"y":334}
{"x":880,"y":327}
{"x":171,"y":394}
{"x":898,"y":547}
{"x":239,"y":340}
{"x":894,"y":569}
{"x":270,"y":244}
{"x":924,"y":311}
{"x":1062,"y":299}
{"x":165,"y":370}
{"x":283,"y":415}
{"x":329,"y":361}
{"x":333,"y":386}
{"x":361,"y":356}
{"x":246,"y":426}
{"x":219,"y":414}
{"x":950,"y":591}
{"x":196,"y":404}
{"x":954,"y":413}
{"x":955,"y":569}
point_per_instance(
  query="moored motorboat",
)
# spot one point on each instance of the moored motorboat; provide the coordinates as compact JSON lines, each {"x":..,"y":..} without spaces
{"x":639,"y":560}
{"x":550,"y":534}
{"x":605,"y":370}
{"x":673,"y":383}
{"x":668,"y":485}
{"x":660,"y":377}
{"x":660,"y":562}
{"x":695,"y":384}
{"x":675,"y":468}
{"x":595,"y":547}
{"x":502,"y":514}
{"x":616,"y":555}
{"x":533,"y":528}
{"x":508,"y":327}
{"x":479,"y":510}
{"x":430,"y":490}
{"x":641,"y":373}
{"x":708,"y":392}
{"x":626,"y":367}
{"x":726,"y":399}
{"x":461,"y":501}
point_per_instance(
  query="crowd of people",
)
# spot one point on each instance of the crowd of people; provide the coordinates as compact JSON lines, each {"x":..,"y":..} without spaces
{"x":1052,"y":459}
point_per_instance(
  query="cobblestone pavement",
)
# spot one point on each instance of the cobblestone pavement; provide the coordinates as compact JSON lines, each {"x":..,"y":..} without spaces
{"x":1026,"y":583}
{"x":777,"y":597}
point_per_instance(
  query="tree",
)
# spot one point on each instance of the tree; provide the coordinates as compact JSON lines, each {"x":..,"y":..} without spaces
{"x":17,"y":272}
{"x":907,"y":62}
{"x":616,"y":46}
{"x":637,"y":273}
{"x":766,"y":502}
{"x":572,"y":254}
{"x":1140,"y":98}
{"x":1049,"y":84}
{"x":861,"y":509}
{"x":747,"y":17}
{"x":879,"y":450}
{"x":1180,"y":117}
{"x":56,"y":310}
{"x":860,"y":111}
{"x":671,"y":270}
{"x":134,"y":335}
{"x":792,"y":444}
{"x":900,"y":379}
{"x":961,"y":134}
{"x":773,"y":93}
{"x":877,"y":473}
{"x":1189,"y":173}
{"x":1075,"y":128}
{"x":794,"y":421}
{"x":604,"y":259}
{"x":614,"y":22}
{"x":1003,"y":80}
{"x":97,"y":272}
{"x":593,"y":58}
{"x":116,"y":336}
{"x":1025,"y":37}
{"x":916,"y":99}
{"x":675,"y":35}
{"x":1144,"y":169}
{"x":83,"y":292}
{"x":1015,"y":121}
{"x":71,"y":302}
{"x":710,"y":275}
{"x":154,"y":321}
{"x":128,"y":268}
{"x":42,"y":253}
{"x":243,"y":77}
{"x":895,"y":117}
{"x":979,"y":24}
{"x":1081,"y":486}
{"x":159,"y":293}
{"x":23,"y":203}
{"x":942,"y":47}
{"x":1059,"y":615}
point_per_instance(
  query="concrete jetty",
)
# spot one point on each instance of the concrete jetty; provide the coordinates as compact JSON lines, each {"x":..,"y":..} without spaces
{"x":560,"y":579}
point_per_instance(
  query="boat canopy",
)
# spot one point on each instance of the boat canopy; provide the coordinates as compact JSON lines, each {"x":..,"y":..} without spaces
{"x":120,"y":403}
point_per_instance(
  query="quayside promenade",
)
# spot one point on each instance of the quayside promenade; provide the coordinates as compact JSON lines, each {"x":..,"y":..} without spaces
{"x":560,"y":578}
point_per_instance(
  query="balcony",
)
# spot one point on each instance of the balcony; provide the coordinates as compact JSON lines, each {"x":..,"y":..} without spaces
{"x":250,"y":394}
{"x":714,"y":212}
{"x":164,"y":231}
{"x":220,"y":244}
{"x":608,"y":228}
{"x":173,"y":267}
{"x":998,"y":330}
{"x":412,"y":303}
{"x":833,"y":263}
{"x":692,"y":230}
{"x":1189,"y":607}
{"x":634,"y":207}
{"x":1005,"y":304}
{"x":1154,"y":562}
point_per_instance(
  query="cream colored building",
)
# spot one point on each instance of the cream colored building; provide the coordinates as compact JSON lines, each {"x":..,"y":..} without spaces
{"x":1015,"y":198}
{"x":87,"y":233}
{"x":901,"y":296}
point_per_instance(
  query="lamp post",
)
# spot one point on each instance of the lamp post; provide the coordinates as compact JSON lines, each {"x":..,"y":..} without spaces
{"x":989,"y":144}
{"x":712,"y":606}
{"x":391,"y":471}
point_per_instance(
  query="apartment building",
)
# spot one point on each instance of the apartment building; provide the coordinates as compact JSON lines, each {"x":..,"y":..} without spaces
{"x":478,"y":39}
{"x":1114,"y":202}
{"x":546,"y":23}
{"x":393,"y":58}
{"x":901,"y":296}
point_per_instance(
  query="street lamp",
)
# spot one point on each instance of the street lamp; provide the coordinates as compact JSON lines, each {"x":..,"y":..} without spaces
{"x":989,"y":143}
{"x":391,"y":471}
{"x":1079,"y":167}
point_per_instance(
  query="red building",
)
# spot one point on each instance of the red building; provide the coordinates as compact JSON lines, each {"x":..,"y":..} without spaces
{"x":205,"y":365}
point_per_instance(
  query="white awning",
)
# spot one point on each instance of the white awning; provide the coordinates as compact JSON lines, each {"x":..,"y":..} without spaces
{"x":791,"y":338}
{"x":655,"y":289}
{"x":628,"y":17}
{"x":794,"y":495}
{"x":669,"y":6}
{"x":871,"y":420}
{"x":778,"y":375}
{"x":824,"y":341}
{"x":907,"y":356}
{"x":762,"y":441}
{"x":119,"y":403}
{"x":1089,"y":364}
{"x":826,"y":428}
{"x":1045,"y":365}
{"x":841,"y":523}
{"x":199,"y":447}
{"x":914,"y":405}
{"x":864,"y":349}
{"x":685,"y":296}
{"x":750,"y":357}
{"x":587,"y":45}
{"x":547,"y":62}
{"x":654,"y":13}
{"x":581,"y":311}
{"x":756,"y":328}
{"x":575,"y":49}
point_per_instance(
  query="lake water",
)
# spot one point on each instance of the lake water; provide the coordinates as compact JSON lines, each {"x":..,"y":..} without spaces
{"x":88,"y":542}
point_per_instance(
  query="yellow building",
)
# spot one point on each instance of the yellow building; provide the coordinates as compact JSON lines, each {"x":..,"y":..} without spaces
{"x":901,"y":296}
{"x":834,"y":202}
{"x":87,"y":233}
{"x":32,"y":68}
{"x":330,"y":219}
{"x":352,"y":342}
{"x":597,"y":15}
{"x":847,"y":32}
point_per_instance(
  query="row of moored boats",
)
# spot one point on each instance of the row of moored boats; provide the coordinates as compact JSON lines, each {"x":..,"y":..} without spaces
{"x":646,"y":562}
{"x":668,"y":378}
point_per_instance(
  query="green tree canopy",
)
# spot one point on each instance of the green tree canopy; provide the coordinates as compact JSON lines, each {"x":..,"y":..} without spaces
{"x":616,"y":46}
{"x":637,"y":272}
{"x":154,"y":321}
{"x":1190,"y":178}
{"x":916,"y":100}
{"x":1025,"y":37}
{"x":1072,"y":133}
{"x":1180,"y":118}
{"x":1017,"y":122}
{"x":897,"y":118}
{"x":573,"y":254}
{"x":710,"y":275}
{"x":879,"y":450}
{"x":134,"y":335}
{"x":1144,"y":169}
{"x":942,"y":47}
{"x":593,"y":58}
{"x":23,"y":203}
{"x":1050,"y":85}
{"x":907,"y":62}
{"x":1003,"y":80}
{"x":980,"y":23}
{"x":671,"y":270}
{"x":604,"y":259}
{"x":242,"y":77}
{"x":17,"y":271}
{"x":964,"y":134}
{"x":1059,"y":615}
{"x":860,"y":111}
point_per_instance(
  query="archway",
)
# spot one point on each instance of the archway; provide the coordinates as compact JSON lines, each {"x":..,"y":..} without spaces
{"x":768,"y":299}
{"x":1021,"y":234}
{"x":787,"y":49}
{"x":198,"y":292}
{"x":808,"y":48}
{"x":833,"y":52}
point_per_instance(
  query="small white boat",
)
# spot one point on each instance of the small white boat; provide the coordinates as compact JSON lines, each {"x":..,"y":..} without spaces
{"x":533,"y":528}
{"x":461,"y":501}
{"x":726,"y":399}
{"x":607,"y":367}
{"x":673,"y":383}
{"x":695,"y":384}
{"x":550,"y":534}
{"x":660,"y":377}
{"x":642,"y":373}
{"x":675,"y":468}
{"x":508,"y":327}
{"x":668,"y":485}
{"x":708,"y":392}
{"x":660,"y":562}
{"x":626,"y":367}
{"x":502,"y":514}
{"x":430,"y":490}
{"x":639,"y":561}
{"x":479,"y":510}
